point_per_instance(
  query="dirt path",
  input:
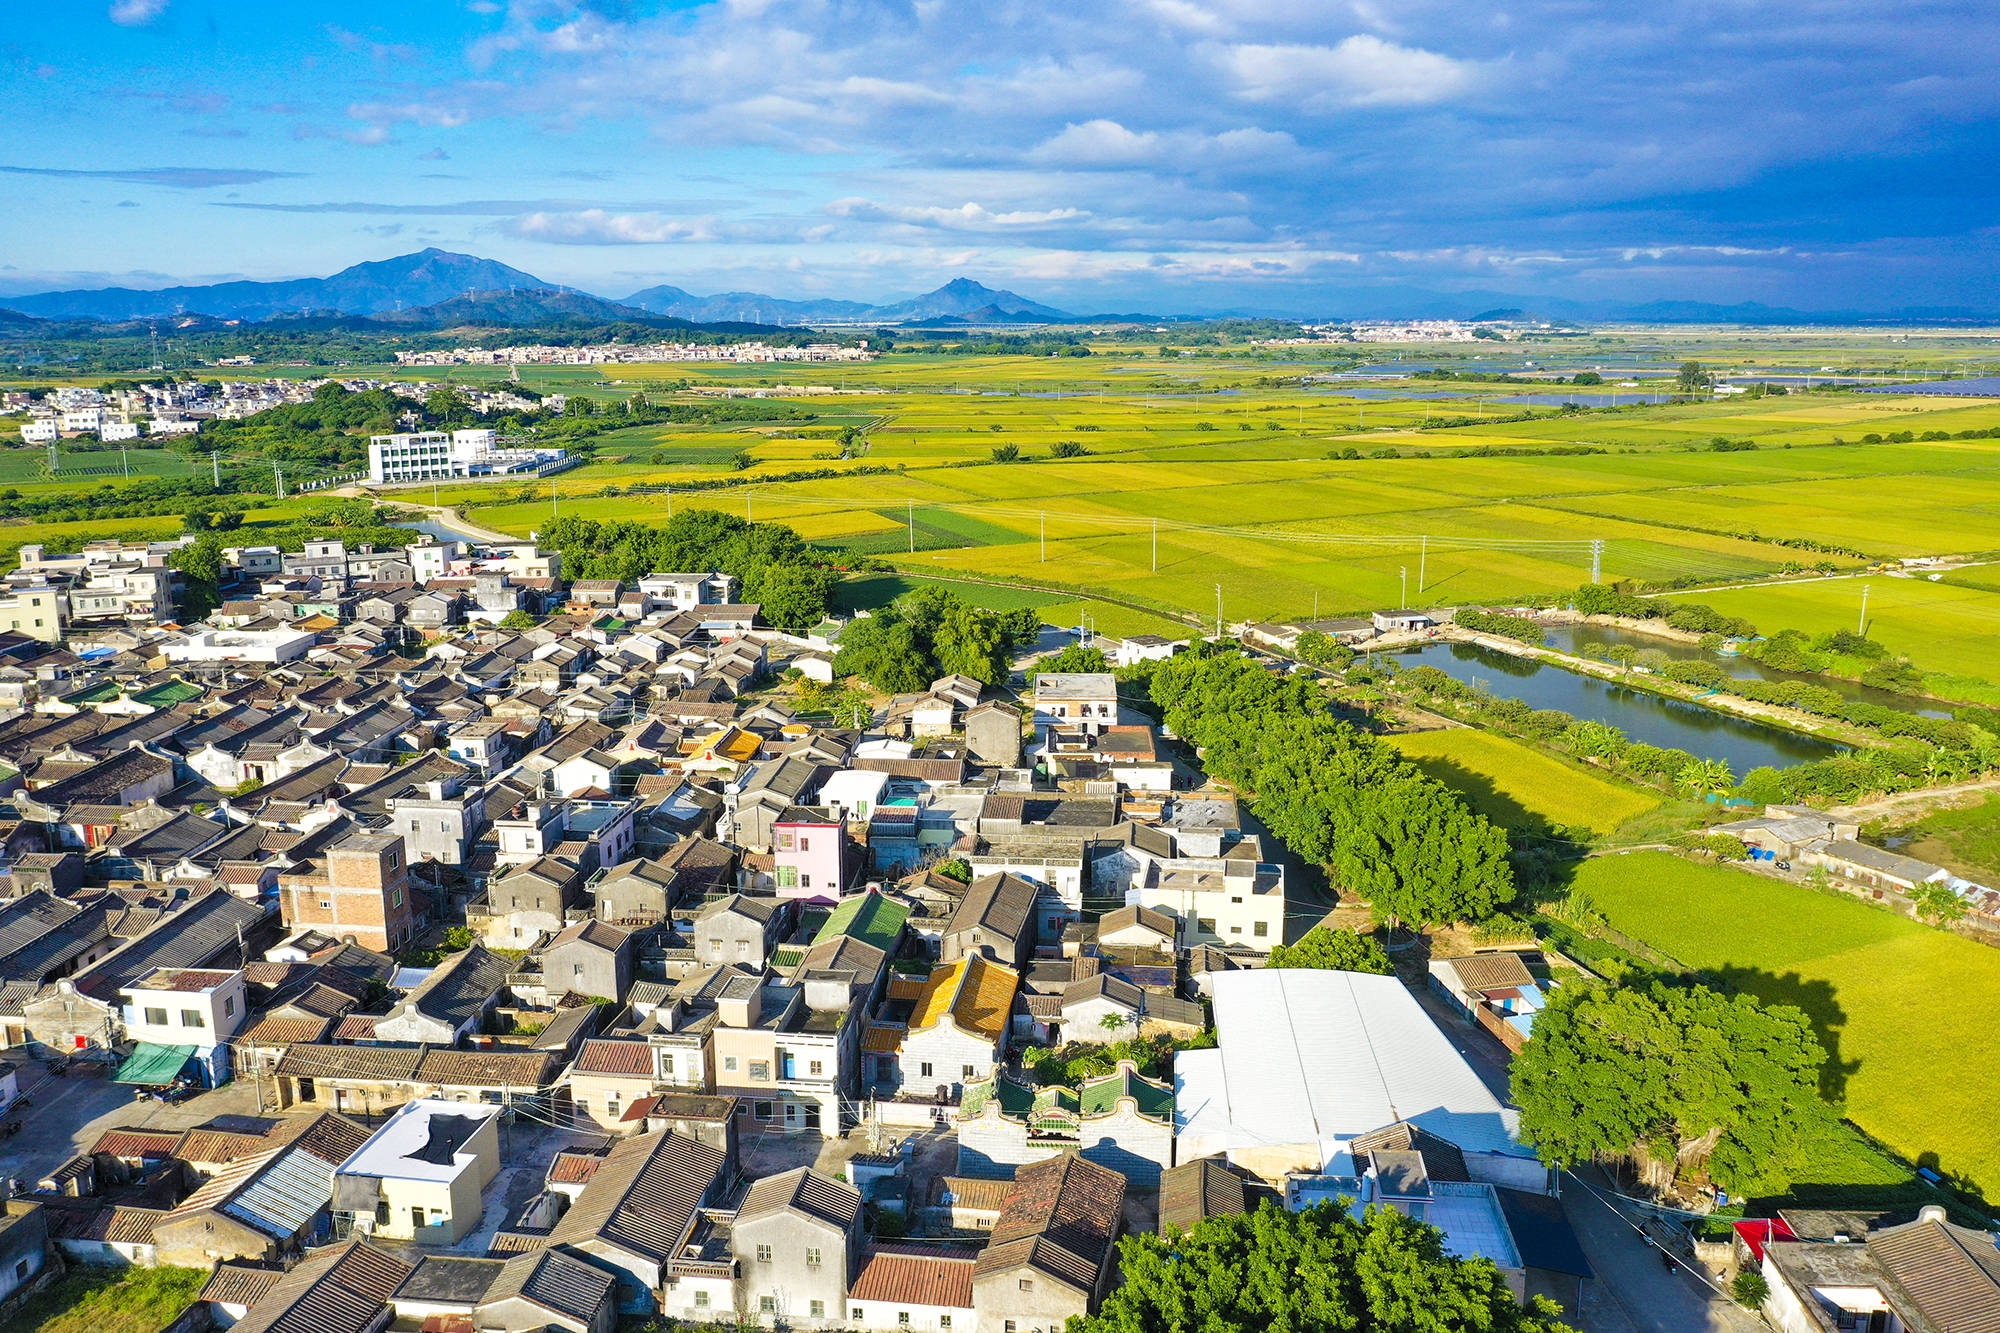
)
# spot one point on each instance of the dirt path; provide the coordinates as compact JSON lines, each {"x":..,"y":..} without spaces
{"x":1911,"y":805}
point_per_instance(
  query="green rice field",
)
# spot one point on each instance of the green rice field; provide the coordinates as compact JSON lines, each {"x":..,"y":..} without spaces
{"x":1519,"y":786}
{"x":1898,"y":1004}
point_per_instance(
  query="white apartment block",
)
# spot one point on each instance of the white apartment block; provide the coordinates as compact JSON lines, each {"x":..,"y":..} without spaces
{"x":41,"y":430}
{"x":437,"y":455}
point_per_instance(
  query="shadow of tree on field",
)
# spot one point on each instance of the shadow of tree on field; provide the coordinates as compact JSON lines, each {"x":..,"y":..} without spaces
{"x":1820,"y":1003}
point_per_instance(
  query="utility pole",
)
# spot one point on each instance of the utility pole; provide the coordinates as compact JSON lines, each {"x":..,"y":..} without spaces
{"x":1423,"y":560}
{"x":1596,"y":559}
{"x":1862,"y":628}
{"x":279,"y":475}
{"x":125,"y":461}
{"x":1404,"y":570}
{"x":215,"y":463}
{"x":1218,"y":610}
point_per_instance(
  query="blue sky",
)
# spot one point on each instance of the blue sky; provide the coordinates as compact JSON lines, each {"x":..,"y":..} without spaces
{"x":1097,"y":154}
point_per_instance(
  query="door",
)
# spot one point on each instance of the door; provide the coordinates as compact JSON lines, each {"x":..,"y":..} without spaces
{"x":416,"y":1220}
{"x":812,"y":1115}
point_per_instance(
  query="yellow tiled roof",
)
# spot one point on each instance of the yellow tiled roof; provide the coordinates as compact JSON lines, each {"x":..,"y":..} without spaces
{"x":976,"y":992}
{"x":883,"y":1038}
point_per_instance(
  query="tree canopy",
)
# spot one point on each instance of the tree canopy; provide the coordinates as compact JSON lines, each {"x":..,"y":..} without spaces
{"x":1320,"y":1270}
{"x":926,"y":633}
{"x":1677,"y":1077}
{"x":1334,"y":950}
{"x":779,"y":572}
{"x":1335,"y":795}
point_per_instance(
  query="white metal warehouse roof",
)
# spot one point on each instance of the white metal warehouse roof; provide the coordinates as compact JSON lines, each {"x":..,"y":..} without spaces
{"x":1310,"y":1056}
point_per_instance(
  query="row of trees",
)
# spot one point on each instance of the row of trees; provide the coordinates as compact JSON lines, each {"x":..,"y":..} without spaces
{"x":779,"y":571}
{"x":932,"y":632}
{"x":1524,"y":628}
{"x":1335,"y":795}
{"x":1602,"y":599}
{"x":1319,"y":1270}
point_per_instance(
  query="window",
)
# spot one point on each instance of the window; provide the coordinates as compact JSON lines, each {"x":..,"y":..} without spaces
{"x":701,"y":1300}
{"x":805,"y":843}
{"x":944,"y":1321}
{"x":157,"y":1017}
{"x":787,"y":876}
{"x":1008,"y":1327}
{"x":768,"y":1304}
{"x":1236,"y":930}
{"x":902,"y":1319}
{"x":805,"y":881}
{"x":228,"y":1006}
{"x":812,"y":1256}
{"x":819,"y":1309}
{"x":763,"y":1254}
{"x":1261,"y":929}
{"x":1237,"y":901}
{"x":815,"y":1068}
{"x":1027,"y":1284}
{"x":924,"y":1070}
{"x":729,"y":1063}
{"x":576,"y":969}
{"x":855,"y":1314}
{"x":611,"y":1103}
{"x":667,"y":1064}
{"x":193,"y":1018}
{"x":1206,"y":924}
{"x":21,"y":1269}
{"x":760,"y":1071}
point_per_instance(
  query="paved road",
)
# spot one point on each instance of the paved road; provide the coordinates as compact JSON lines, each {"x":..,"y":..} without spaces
{"x":1635,"y":1292}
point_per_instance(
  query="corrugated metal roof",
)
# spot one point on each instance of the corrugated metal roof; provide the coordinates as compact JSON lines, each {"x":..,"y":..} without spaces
{"x":1309,"y":1056}
{"x":283,"y":1193}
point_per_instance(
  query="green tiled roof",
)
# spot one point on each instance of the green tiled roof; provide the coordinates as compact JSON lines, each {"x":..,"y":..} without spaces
{"x":787,"y":957}
{"x":868,"y":917}
{"x":1016,"y":1099}
{"x":168,"y":694}
{"x":1100,"y":1096}
{"x":102,"y":692}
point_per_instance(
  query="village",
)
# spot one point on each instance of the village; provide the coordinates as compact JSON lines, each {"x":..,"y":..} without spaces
{"x":559,"y":972}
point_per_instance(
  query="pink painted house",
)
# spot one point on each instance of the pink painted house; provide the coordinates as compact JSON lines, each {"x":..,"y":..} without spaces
{"x":809,"y":852}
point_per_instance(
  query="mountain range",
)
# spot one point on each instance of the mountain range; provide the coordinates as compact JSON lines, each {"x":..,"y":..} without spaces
{"x":961,"y":298}
{"x":440,"y":289}
{"x":429,"y":283}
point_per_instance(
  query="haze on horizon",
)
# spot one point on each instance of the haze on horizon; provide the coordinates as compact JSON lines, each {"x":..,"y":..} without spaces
{"x":1105,"y":155}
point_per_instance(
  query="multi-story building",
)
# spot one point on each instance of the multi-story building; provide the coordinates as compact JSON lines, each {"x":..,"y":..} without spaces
{"x":358,"y":886}
{"x":436,"y":455}
{"x":420,"y":1176}
{"x":191,"y":1015}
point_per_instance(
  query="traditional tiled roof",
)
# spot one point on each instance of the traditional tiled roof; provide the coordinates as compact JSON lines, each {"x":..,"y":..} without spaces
{"x":975,"y":992}
{"x":1003,"y":904}
{"x":341,"y":1289}
{"x":603,"y":1055}
{"x":1208,"y":1187}
{"x":555,"y":1282}
{"x":643,"y":1198}
{"x":235,"y":1283}
{"x":802,"y":1190}
{"x":374,"y":1064}
{"x":905,"y":1275}
{"x":868,"y":917}
{"x":1951,"y":1274}
{"x":1490,"y":971}
{"x":277,"y":1030}
{"x":136,"y":1143}
{"x":521,"y":1070}
{"x":1062,"y":1218}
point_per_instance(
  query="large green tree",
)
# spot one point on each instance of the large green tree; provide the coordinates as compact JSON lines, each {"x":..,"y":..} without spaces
{"x":1320,"y":1270}
{"x":1333,"y":950}
{"x":1679,"y":1078}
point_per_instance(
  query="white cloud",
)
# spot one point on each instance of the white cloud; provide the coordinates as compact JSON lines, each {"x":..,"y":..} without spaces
{"x":1106,"y":143}
{"x":136,"y":13}
{"x":594,"y":226}
{"x":966,"y":217}
{"x":1362,"y":70}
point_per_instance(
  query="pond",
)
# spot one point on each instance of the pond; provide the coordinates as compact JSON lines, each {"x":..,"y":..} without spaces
{"x":1592,"y":640}
{"x":431,"y":527}
{"x":1672,"y":723}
